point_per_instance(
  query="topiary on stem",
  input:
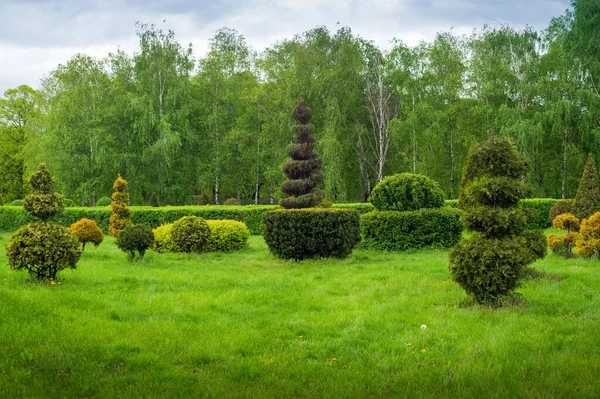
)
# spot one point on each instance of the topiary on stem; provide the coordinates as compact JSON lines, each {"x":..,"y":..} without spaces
{"x":490,"y":263}
{"x":303,"y":172}
{"x":121,"y":211}
{"x":43,"y":248}
{"x":87,"y":230}
{"x":587,"y":199}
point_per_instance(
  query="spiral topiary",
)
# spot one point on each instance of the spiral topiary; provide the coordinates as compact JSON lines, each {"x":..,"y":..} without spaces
{"x":490,"y":263}
{"x":121,"y":211}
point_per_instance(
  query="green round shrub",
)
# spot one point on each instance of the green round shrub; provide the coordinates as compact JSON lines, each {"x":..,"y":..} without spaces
{"x":312,"y":232}
{"x":135,"y":238}
{"x":103,"y":201}
{"x":226,"y":235}
{"x":68,"y":203}
{"x":15,"y":203}
{"x":406,"y":192}
{"x":231,"y":201}
{"x":43,"y":249}
{"x":399,"y":231}
{"x":560,"y":208}
{"x":190,"y":234}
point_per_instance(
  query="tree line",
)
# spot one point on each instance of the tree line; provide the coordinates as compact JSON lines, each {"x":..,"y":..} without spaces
{"x":178,"y":126}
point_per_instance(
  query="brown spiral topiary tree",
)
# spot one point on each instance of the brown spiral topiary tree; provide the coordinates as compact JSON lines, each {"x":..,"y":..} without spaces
{"x":303,"y":172}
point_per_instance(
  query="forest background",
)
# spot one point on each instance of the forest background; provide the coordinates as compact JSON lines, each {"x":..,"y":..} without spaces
{"x":179,"y":126}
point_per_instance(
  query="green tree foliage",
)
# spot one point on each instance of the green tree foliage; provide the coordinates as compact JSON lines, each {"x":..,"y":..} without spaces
{"x":303,"y":172}
{"x":587,"y":200}
{"x":490,"y":263}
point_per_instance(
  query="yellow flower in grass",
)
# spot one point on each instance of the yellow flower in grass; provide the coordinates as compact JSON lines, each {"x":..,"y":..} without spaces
{"x":408,"y":344}
{"x":423,"y":350}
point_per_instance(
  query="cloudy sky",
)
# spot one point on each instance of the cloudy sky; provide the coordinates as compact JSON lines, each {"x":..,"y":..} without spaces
{"x":37,"y":35}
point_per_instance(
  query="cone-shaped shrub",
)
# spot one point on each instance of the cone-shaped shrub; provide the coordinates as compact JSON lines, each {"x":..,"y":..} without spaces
{"x":490,"y":263}
{"x":44,"y":248}
{"x":587,"y":199}
{"x":121,"y":216}
{"x":303,"y":172}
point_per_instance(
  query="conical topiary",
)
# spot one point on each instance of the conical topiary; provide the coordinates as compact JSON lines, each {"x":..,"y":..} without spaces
{"x":490,"y":263}
{"x":121,"y":211}
{"x":303,"y":172}
{"x":587,"y":199}
{"x":43,"y":248}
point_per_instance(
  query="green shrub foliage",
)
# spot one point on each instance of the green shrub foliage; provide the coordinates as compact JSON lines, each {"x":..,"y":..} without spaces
{"x":15,"y":203}
{"x":560,"y":208}
{"x":120,"y":208}
{"x":162,"y":239}
{"x":190,"y":234}
{"x":226,"y":235}
{"x":103,"y":201}
{"x":399,"y":231}
{"x":135,"y":238}
{"x":68,"y":203}
{"x":205,"y":198}
{"x":406,"y":192}
{"x":587,"y":199}
{"x":303,"y":172}
{"x":43,"y":248}
{"x":307,"y":233}
{"x":490,"y":263}
{"x":153,"y":200}
{"x":231,"y":201}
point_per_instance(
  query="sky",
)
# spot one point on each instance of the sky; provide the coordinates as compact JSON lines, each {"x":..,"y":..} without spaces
{"x":38,"y":35}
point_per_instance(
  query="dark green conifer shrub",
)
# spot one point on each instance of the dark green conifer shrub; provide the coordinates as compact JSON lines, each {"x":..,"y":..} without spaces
{"x":231,"y":201}
{"x":135,"y":238}
{"x":587,"y":199}
{"x":190,"y":234}
{"x":205,"y":198}
{"x":43,"y":248}
{"x":490,"y":263}
{"x":406,"y":192}
{"x":303,"y":172}
{"x":560,"y":208}
{"x":103,"y":201}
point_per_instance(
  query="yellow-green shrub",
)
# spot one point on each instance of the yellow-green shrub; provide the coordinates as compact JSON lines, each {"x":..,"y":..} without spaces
{"x":566,"y":221}
{"x":162,"y":239}
{"x":226,"y":235}
{"x":589,"y":242}
{"x":86,"y":231}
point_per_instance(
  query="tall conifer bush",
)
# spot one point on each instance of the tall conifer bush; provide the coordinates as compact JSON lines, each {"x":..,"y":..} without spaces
{"x":587,"y":199}
{"x":490,"y":263}
{"x":121,"y":216}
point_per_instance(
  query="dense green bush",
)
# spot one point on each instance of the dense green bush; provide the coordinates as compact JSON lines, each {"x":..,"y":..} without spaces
{"x":190,"y":234}
{"x":399,"y":231}
{"x":226,"y":235}
{"x":231,"y":201}
{"x":103,"y":201}
{"x":162,"y":239}
{"x":15,"y":203}
{"x":43,"y":203}
{"x":560,"y":208}
{"x":490,"y":263}
{"x":587,"y":199}
{"x":406,"y":192}
{"x":205,"y":198}
{"x":314,"y":232}
{"x":135,"y":238}
{"x":68,"y":203}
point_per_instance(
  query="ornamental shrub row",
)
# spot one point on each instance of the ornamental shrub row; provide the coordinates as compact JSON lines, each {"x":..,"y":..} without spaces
{"x":225,"y":235}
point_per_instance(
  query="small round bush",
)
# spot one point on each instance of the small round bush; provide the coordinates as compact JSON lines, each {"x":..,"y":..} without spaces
{"x":86,"y":230}
{"x":43,"y":249}
{"x":103,"y":201}
{"x":561,"y":207}
{"x":190,"y":234}
{"x":406,"y":192}
{"x":226,"y":235}
{"x":312,"y":232}
{"x":231,"y":201}
{"x":566,"y":221}
{"x":135,"y":238}
{"x":68,"y":202}
{"x":162,"y":239}
{"x":205,"y":198}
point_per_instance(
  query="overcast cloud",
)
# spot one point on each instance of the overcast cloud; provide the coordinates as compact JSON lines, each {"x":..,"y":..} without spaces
{"x":37,"y":35}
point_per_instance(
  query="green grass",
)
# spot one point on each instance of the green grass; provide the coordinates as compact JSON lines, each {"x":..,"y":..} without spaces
{"x":248,"y":325}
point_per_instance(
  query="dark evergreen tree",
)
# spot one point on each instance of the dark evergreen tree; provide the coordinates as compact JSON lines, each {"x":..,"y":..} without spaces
{"x":153,"y":200}
{"x":303,"y":172}
{"x":587,"y":199}
{"x":490,"y":263}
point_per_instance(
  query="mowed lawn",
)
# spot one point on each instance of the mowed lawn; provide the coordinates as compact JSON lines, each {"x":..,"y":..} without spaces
{"x":247,"y":325}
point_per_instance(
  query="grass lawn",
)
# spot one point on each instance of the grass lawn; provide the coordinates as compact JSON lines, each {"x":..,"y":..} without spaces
{"x":248,"y":325}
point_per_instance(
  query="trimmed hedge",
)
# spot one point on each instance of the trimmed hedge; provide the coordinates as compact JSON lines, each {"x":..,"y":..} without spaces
{"x":312,"y":232}
{"x":226,"y":235}
{"x":399,"y":231}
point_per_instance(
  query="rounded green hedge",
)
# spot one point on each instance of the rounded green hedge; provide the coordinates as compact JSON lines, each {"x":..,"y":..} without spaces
{"x":312,"y":232}
{"x":190,"y":234}
{"x":226,"y":235}
{"x":399,"y":231}
{"x":406,"y":192}
{"x":103,"y":201}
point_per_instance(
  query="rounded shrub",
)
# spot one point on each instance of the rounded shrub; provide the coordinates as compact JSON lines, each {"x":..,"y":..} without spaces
{"x":205,"y":198}
{"x":231,"y":201}
{"x":15,"y":203}
{"x":43,"y":249}
{"x":86,"y":230}
{"x":399,"y":231}
{"x":227,"y":235}
{"x":566,"y":221}
{"x":561,"y":207}
{"x":68,"y":203}
{"x":103,"y":201}
{"x":406,"y":192}
{"x":43,"y":203}
{"x":162,"y":239}
{"x":314,"y":232}
{"x":190,"y":234}
{"x":135,"y":238}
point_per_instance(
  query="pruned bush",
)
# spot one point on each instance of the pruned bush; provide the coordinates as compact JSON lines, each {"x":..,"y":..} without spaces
{"x":205,"y":198}
{"x":43,"y":203}
{"x":86,"y":230}
{"x":231,"y":201}
{"x":15,"y":203}
{"x":588,"y":244}
{"x":226,"y":235}
{"x":314,"y":232}
{"x":135,"y":238}
{"x":103,"y":201}
{"x":68,"y":203}
{"x":564,"y":245}
{"x":190,"y":234}
{"x":406,"y":192}
{"x":399,"y":231}
{"x":162,"y":239}
{"x":587,"y":199}
{"x":561,"y":207}
{"x":567,"y":222}
{"x":121,"y":216}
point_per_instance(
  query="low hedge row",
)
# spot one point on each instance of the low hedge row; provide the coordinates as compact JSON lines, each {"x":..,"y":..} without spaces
{"x":399,"y":231}
{"x":13,"y":217}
